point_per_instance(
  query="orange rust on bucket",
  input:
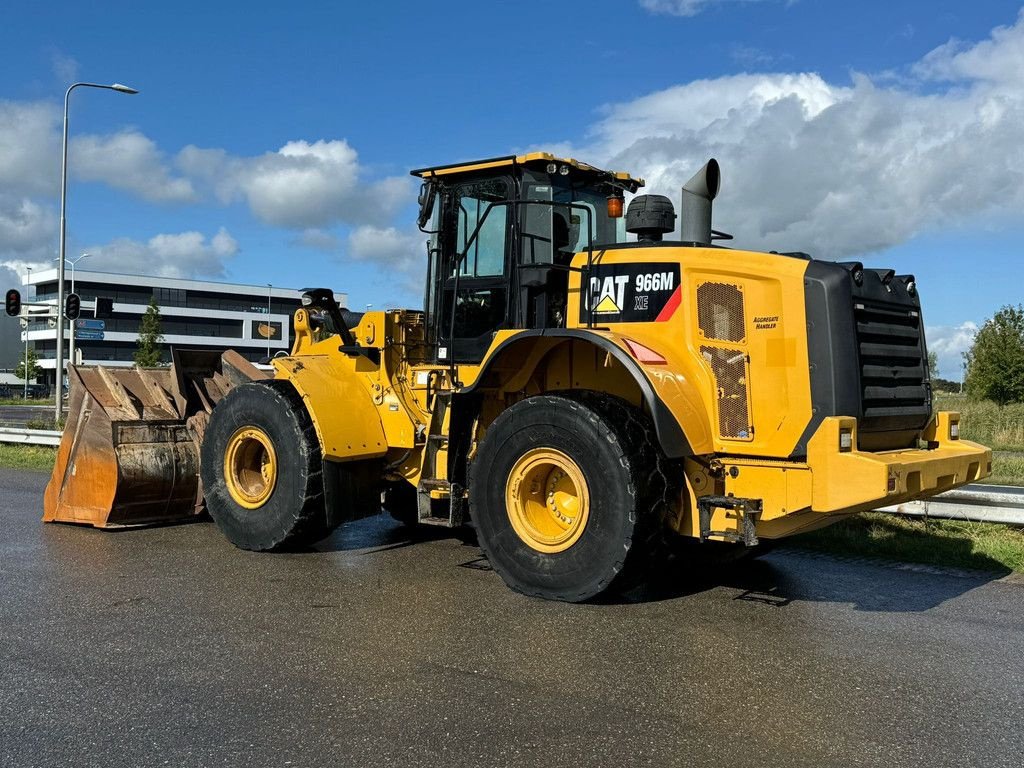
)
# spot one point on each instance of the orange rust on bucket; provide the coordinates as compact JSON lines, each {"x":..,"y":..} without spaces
{"x":130,"y":450}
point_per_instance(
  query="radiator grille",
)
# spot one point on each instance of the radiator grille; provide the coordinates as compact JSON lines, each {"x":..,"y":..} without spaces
{"x":729,"y":367}
{"x":720,"y":311}
{"x":895,"y":391}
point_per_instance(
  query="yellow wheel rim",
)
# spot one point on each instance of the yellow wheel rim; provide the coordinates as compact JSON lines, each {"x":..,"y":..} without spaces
{"x":547,"y":500}
{"x":250,"y":467}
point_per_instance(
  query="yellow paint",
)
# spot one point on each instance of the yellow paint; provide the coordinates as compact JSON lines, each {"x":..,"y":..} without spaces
{"x":607,"y":304}
{"x":386,"y":406}
{"x":801,"y":496}
{"x":547,"y":500}
{"x":250,"y":467}
{"x":771,"y":286}
{"x":532,"y":157}
{"x":335,"y":392}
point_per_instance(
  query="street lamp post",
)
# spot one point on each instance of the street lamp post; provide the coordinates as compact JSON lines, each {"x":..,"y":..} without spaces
{"x":270,"y":327}
{"x":59,"y":370}
{"x":24,"y":326}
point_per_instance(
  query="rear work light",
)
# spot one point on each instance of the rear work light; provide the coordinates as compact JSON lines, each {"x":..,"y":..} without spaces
{"x":845,"y":440}
{"x":644,"y":354}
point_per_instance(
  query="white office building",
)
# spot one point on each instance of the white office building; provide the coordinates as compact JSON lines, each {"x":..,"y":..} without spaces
{"x":255,"y":320}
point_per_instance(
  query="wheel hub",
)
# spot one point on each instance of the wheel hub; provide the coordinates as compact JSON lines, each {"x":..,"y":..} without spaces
{"x":547,"y":500}
{"x":250,"y":467}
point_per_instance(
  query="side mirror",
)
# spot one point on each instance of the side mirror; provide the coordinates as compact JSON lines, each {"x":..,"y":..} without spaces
{"x":428,"y":193}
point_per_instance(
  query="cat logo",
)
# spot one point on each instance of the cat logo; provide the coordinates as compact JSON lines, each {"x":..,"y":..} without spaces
{"x":611,"y":291}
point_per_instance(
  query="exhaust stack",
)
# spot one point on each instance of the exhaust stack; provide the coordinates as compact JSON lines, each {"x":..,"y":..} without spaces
{"x":695,"y":212}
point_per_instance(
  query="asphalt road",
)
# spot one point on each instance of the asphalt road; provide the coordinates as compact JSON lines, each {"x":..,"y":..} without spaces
{"x":167,"y":646}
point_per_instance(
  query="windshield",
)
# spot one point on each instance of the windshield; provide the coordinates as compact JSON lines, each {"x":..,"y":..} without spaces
{"x":554,"y":233}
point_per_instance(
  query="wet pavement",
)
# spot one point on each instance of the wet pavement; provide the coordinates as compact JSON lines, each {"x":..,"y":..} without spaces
{"x":167,"y":646}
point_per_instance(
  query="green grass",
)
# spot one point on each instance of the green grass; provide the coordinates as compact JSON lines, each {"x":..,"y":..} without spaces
{"x":1007,"y":469}
{"x":30,"y":401}
{"x":1001,"y":428}
{"x":40,"y":457}
{"x":949,"y":543}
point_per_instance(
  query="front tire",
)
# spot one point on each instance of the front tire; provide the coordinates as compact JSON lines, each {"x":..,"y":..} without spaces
{"x":262,"y":469}
{"x":567,"y":493}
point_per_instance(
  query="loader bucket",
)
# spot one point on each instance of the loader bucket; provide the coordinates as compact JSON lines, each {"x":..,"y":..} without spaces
{"x":129,"y":454}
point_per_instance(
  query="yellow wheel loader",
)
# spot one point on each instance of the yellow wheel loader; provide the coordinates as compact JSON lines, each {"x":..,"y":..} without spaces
{"x":592,"y":402}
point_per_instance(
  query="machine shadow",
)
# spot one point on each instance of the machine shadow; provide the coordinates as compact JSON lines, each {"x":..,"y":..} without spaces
{"x":777,"y":580}
{"x":379,"y":533}
{"x":789,"y":576}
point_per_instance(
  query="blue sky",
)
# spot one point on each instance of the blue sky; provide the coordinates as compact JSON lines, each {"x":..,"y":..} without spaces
{"x":272,"y":143}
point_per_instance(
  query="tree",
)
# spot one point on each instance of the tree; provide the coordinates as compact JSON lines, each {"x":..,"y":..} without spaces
{"x":33,"y":367}
{"x":995,"y":362}
{"x":933,"y":365}
{"x":148,"y":353}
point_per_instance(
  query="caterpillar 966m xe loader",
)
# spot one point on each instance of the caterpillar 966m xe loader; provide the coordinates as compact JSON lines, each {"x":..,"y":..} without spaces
{"x":589,"y":403}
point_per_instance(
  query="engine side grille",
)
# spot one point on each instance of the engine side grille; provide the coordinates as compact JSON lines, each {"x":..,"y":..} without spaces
{"x":729,"y":367}
{"x":720,"y":312}
{"x":895,"y":391}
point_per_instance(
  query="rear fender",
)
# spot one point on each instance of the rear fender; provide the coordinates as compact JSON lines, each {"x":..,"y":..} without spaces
{"x":669,"y":399}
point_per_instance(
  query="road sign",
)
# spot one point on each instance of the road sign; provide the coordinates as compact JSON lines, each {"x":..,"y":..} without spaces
{"x":93,"y":325}
{"x":87,"y":334}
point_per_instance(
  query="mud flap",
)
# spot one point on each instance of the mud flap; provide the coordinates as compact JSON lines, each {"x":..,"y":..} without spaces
{"x":352,"y":490}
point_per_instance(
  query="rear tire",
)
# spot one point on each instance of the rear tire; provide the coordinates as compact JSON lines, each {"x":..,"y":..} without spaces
{"x":262,"y":469}
{"x":594,"y":462}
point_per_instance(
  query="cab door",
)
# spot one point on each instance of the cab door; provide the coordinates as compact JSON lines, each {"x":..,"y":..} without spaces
{"x":475,"y":289}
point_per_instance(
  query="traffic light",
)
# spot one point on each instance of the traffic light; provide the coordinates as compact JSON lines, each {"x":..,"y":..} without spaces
{"x":104,"y":307}
{"x":72,"y":306}
{"x":12,"y":302}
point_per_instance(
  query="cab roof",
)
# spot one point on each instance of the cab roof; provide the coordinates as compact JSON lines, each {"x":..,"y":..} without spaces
{"x":533,"y":159}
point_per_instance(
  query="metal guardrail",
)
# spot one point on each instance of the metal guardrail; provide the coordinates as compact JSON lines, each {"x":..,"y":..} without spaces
{"x":973,"y":503}
{"x":30,"y":436}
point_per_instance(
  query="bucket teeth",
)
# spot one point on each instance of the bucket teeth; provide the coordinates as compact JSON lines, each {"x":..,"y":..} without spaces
{"x":130,"y":450}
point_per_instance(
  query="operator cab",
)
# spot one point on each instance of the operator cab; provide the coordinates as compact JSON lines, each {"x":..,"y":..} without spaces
{"x":502,"y":235}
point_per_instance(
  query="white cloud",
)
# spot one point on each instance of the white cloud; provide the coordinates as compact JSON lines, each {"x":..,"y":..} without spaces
{"x":998,"y":60}
{"x":9,"y":278}
{"x":301,"y":186}
{"x":388,"y":247}
{"x":28,"y":231}
{"x":400,"y":254}
{"x":223,"y":244}
{"x":185,"y":254}
{"x":131,"y":161}
{"x":949,"y":343}
{"x":837,"y":169}
{"x":318,"y":239}
{"x":29,"y":148}
{"x":750,"y":56}
{"x":65,"y":68}
{"x":685,"y":7}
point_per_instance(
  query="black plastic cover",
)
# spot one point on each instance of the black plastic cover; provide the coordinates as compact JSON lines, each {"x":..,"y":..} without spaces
{"x":867,"y":352}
